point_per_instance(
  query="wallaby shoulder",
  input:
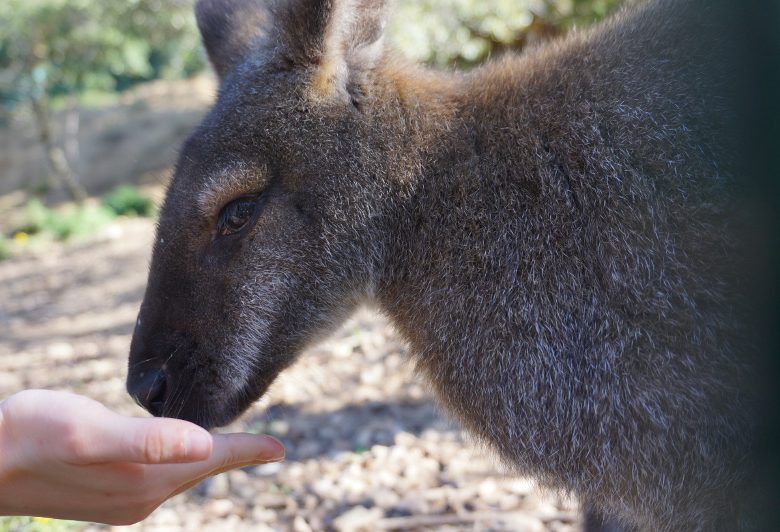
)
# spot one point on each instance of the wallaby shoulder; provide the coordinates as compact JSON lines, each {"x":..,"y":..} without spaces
{"x":560,"y":270}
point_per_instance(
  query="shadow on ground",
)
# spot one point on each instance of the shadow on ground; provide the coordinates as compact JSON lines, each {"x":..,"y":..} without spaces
{"x":353,"y":428}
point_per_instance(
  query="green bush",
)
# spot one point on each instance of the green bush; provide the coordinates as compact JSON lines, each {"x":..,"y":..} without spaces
{"x":61,"y":224}
{"x":467,"y":32}
{"x":60,"y":47}
{"x":128,"y":200}
{"x":79,"y":220}
{"x":50,"y":48}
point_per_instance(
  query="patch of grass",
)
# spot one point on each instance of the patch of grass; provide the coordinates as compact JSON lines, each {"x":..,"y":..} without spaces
{"x":87,"y":98}
{"x":40,"y":223}
{"x":36,"y":524}
{"x":5,"y":248}
{"x":280,"y":488}
{"x":127,"y":200}
{"x":257,"y":427}
{"x":65,"y":222}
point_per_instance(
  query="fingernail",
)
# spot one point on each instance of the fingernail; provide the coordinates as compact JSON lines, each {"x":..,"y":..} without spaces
{"x":274,"y":451}
{"x":198,"y":444}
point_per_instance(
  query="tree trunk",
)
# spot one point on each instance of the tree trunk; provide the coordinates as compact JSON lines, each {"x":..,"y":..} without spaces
{"x":71,"y":140}
{"x":55,"y":155}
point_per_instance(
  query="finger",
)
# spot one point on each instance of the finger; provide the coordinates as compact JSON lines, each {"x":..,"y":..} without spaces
{"x":230,"y":451}
{"x":238,"y":450}
{"x":115,"y":438}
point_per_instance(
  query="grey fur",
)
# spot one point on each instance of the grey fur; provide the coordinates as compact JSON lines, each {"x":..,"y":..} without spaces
{"x":552,"y":234}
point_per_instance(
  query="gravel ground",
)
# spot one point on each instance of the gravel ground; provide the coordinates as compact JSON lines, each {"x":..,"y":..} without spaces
{"x":367,"y":449}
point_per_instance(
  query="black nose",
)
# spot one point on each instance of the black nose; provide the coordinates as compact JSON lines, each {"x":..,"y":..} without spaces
{"x":149,"y":389}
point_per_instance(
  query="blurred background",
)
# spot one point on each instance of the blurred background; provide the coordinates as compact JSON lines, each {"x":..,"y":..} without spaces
{"x":95,"y":99}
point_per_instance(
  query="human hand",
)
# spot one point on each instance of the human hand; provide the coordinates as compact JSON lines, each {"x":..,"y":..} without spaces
{"x":69,"y":457}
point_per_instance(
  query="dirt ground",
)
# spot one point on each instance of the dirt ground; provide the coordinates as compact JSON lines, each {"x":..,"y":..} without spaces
{"x":367,"y":449}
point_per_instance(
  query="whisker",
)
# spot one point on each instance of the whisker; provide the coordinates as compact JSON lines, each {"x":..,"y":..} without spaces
{"x":154,"y":382}
{"x":184,"y":397}
{"x":171,"y":355}
{"x":132,"y":367}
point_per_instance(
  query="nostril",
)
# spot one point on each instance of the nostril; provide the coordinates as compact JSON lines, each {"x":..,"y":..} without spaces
{"x":150,"y":391}
{"x":156,"y":399}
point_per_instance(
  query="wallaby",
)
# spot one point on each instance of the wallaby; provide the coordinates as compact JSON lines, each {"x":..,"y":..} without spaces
{"x":550,"y":233}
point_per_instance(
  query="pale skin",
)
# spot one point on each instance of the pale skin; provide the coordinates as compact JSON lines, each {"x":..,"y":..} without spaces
{"x":69,"y":457}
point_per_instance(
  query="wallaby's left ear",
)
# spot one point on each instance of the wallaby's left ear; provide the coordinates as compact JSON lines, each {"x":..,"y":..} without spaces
{"x":230,"y":29}
{"x":341,"y":39}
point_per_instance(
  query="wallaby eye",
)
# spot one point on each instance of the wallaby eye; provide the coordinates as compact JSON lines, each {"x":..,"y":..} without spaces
{"x":236,"y":215}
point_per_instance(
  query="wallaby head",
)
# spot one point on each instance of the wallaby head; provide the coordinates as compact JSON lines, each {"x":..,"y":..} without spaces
{"x":271,"y":228}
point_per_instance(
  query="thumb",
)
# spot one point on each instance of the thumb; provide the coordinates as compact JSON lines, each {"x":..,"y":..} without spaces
{"x":149,"y":441}
{"x":161,"y":441}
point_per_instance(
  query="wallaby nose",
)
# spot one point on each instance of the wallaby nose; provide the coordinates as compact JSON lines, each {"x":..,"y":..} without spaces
{"x":149,"y":390}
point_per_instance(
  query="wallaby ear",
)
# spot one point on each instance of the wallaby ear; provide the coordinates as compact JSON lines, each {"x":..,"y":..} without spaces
{"x":341,"y":39}
{"x":230,"y":28}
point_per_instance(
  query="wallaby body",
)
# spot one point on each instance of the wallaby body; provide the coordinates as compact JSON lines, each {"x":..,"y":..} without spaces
{"x":550,"y":233}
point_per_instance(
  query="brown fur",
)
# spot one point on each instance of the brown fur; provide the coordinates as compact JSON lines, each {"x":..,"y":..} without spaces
{"x":551,"y":233}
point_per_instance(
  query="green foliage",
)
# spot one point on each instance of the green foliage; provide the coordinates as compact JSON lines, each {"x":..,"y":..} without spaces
{"x":36,"y":524}
{"x":586,"y":12}
{"x":57,"y":47}
{"x":466,"y":32}
{"x":52,"y":47}
{"x":128,"y":200}
{"x":74,"y":220}
{"x":40,"y":224}
{"x":68,"y":221}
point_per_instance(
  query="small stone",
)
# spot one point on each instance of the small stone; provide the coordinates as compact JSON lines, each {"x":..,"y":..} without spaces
{"x":518,"y":521}
{"x":415,"y":504}
{"x":60,"y":351}
{"x":265,"y":470}
{"x":220,"y":507}
{"x":262,"y":515}
{"x":324,"y":487}
{"x":165,"y":517}
{"x":521,"y":486}
{"x":300,"y":525}
{"x":546,"y":511}
{"x":488,"y":490}
{"x":385,"y":498}
{"x":404,"y":439}
{"x":270,"y":500}
{"x":217,"y":487}
{"x":372,"y":375}
{"x":508,"y":501}
{"x":311,"y":502}
{"x":10,"y":381}
{"x":238,"y":477}
{"x":358,"y":519}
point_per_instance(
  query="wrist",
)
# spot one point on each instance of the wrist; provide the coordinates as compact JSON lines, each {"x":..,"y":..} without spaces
{"x":4,"y":473}
{"x":3,"y":444}
{"x":8,"y":473}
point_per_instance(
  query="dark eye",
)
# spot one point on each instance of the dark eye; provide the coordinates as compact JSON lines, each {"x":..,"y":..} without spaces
{"x":236,"y":215}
